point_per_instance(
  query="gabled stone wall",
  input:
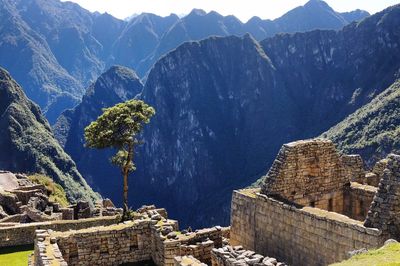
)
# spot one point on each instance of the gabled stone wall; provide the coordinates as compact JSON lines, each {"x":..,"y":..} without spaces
{"x":308,"y":212}
{"x":309,"y":173}
{"x":354,"y":167}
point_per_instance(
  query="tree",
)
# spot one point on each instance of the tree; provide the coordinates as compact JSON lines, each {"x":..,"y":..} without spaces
{"x":118,"y":128}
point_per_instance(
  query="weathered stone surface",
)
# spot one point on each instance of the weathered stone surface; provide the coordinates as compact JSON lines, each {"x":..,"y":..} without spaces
{"x":23,"y":234}
{"x":385,"y":207}
{"x":229,"y":256}
{"x":298,"y":236}
{"x":132,"y":241}
{"x":9,"y":202}
{"x":305,"y":172}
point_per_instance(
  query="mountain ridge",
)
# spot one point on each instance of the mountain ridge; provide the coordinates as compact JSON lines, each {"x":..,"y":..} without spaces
{"x":70,"y":46}
{"x":28,"y":144}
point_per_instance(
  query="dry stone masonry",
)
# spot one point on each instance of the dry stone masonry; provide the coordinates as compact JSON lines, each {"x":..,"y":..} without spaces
{"x":237,"y":256}
{"x":312,"y":208}
{"x":308,"y":173}
{"x":22,"y":201}
{"x":316,"y":207}
{"x":385,"y":209}
{"x":150,"y":236}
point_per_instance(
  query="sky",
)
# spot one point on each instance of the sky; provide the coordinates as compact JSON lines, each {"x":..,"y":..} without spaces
{"x":243,"y":9}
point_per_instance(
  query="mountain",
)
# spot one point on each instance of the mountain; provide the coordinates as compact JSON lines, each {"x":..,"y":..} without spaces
{"x":116,"y":85}
{"x":198,"y":25}
{"x":226,"y":105}
{"x":372,"y":131}
{"x":28,"y":144}
{"x":139,"y":39}
{"x":355,"y":15}
{"x":67,"y":28}
{"x":56,"y":49}
{"x":28,"y":57}
{"x":315,"y":14}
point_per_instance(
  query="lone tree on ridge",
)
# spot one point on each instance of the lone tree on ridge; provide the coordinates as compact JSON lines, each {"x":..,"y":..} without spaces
{"x":118,"y":128}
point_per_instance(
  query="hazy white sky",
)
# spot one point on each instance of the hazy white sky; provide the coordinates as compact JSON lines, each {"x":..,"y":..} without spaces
{"x":243,"y":9}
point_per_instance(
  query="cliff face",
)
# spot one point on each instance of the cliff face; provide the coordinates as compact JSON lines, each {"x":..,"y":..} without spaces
{"x":116,"y":85}
{"x":199,"y":25}
{"x":27,"y":55}
{"x":28,"y":144}
{"x":56,"y":49}
{"x":225,"y":105}
{"x":334,"y":73}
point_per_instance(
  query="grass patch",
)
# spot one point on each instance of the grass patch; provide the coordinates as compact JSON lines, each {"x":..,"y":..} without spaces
{"x":15,"y":256}
{"x":56,"y":192}
{"x":388,"y":255}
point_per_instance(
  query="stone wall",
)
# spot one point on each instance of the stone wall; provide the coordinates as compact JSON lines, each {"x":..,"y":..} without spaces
{"x":188,"y":261}
{"x":298,"y":236}
{"x":23,"y":234}
{"x":385,"y":208}
{"x":149,"y":236}
{"x":41,"y":255}
{"x":358,"y":199}
{"x":234,"y":256}
{"x":111,"y":245}
{"x":309,"y":173}
{"x":198,"y":244}
{"x":374,"y":178}
{"x":354,"y":167}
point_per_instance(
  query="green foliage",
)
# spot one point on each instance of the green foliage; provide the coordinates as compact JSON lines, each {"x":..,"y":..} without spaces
{"x":372,"y":131}
{"x":29,"y":144}
{"x":121,"y":159}
{"x":388,"y":255}
{"x":56,"y":192}
{"x":118,"y":125}
{"x":118,"y":128}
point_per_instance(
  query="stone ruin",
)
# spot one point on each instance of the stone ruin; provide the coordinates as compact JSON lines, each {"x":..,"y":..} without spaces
{"x":316,"y":205}
{"x":150,"y":236}
{"x":22,"y":201}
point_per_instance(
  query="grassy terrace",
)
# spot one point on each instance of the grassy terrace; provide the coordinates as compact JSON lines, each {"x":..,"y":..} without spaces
{"x":388,"y":255}
{"x":15,"y":256}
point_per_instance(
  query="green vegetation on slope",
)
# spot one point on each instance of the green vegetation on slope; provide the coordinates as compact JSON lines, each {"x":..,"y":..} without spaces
{"x":388,"y":255}
{"x":15,"y":256}
{"x":372,"y":131}
{"x":56,"y":192}
{"x":28,"y":144}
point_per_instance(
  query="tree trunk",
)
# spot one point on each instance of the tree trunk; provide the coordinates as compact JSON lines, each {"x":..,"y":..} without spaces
{"x":126,"y":173}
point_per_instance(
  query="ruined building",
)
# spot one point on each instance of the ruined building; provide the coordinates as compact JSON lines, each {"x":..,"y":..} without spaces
{"x":315,"y":205}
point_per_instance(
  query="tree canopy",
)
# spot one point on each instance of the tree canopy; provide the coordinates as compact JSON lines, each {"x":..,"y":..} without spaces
{"x":118,"y":128}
